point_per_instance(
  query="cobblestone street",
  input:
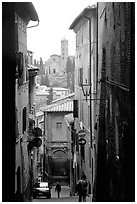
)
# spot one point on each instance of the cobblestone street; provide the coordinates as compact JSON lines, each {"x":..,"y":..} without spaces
{"x":65,"y":196}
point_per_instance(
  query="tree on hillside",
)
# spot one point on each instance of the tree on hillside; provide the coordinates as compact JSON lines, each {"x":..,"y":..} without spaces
{"x":70,"y":68}
{"x":45,"y":80}
{"x":68,"y":65}
{"x":50,"y":96}
{"x":42,"y":81}
{"x":41,"y":67}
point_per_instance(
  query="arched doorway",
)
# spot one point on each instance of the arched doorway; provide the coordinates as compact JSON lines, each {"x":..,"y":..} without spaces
{"x":60,"y":166}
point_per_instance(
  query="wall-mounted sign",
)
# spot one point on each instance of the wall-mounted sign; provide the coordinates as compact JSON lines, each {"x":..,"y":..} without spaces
{"x":81,"y":133}
{"x":37,"y":132}
{"x":82,"y":141}
{"x":37,"y":142}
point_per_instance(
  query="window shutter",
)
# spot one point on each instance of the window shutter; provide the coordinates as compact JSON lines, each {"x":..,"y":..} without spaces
{"x":75,"y":109}
{"x":20,"y":67}
{"x":80,"y":76}
{"x":88,"y":75}
{"x":24,"y":120}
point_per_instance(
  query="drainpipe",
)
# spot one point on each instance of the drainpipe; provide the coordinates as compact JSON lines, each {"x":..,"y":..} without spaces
{"x":34,"y":25}
{"x":94,"y":189}
{"x":75,"y":167}
{"x":90,"y":100}
{"x":97,"y":50}
{"x":89,"y":19}
{"x":44,"y":140}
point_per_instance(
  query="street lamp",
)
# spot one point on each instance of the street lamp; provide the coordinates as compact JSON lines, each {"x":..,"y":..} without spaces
{"x":86,"y":88}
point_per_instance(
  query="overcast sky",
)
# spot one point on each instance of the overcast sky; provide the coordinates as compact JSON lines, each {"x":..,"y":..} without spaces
{"x":55,"y":18}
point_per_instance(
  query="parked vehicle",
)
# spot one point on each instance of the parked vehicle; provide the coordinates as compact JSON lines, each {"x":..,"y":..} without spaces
{"x":41,"y":189}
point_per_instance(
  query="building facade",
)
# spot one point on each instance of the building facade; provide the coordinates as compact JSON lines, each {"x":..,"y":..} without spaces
{"x":115,"y":112}
{"x":55,"y":67}
{"x":58,"y":141}
{"x":85,"y":74}
{"x":14,"y":51}
{"x":109,"y":126}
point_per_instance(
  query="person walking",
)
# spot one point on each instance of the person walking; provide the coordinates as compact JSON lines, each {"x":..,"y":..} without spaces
{"x":81,"y":189}
{"x":58,"y":189}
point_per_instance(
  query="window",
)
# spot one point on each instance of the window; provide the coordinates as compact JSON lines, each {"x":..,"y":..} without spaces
{"x":59,"y":154}
{"x":26,"y":67}
{"x":22,"y":64}
{"x":92,"y":169}
{"x":21,"y":24}
{"x":104,"y":58}
{"x":77,"y":39}
{"x":82,"y":112}
{"x":75,"y":105}
{"x":80,"y":76}
{"x":83,"y":152}
{"x":89,"y":118}
{"x":17,"y":130}
{"x":82,"y":36}
{"x":89,"y":157}
{"x":59,"y":125}
{"x":89,"y":75}
{"x":24,"y":120}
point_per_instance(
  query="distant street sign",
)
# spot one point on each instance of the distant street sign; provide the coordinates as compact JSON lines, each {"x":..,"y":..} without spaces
{"x":37,"y":142}
{"x":82,"y":133}
{"x":37,"y":132}
{"x":82,"y":141}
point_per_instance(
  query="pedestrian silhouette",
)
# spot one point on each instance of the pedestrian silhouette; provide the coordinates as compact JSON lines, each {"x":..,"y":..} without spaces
{"x":58,"y":189}
{"x":81,"y":189}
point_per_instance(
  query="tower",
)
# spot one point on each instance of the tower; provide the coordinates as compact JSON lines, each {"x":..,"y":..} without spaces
{"x":64,"y":53}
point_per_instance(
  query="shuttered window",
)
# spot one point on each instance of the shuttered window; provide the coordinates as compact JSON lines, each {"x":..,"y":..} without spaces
{"x":89,"y":75}
{"x":83,"y":152}
{"x":59,"y":125}
{"x":24,"y":120}
{"x":80,"y":76}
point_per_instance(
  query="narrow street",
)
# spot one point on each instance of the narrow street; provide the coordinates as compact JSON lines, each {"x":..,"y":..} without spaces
{"x":65,"y":196}
{"x":68,"y":101}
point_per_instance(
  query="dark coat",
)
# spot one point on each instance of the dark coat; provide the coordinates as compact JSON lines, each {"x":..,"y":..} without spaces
{"x":58,"y":187}
{"x":81,"y":187}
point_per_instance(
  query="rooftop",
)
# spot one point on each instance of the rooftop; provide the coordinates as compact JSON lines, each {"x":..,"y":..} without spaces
{"x":64,"y":104}
{"x":81,"y":15}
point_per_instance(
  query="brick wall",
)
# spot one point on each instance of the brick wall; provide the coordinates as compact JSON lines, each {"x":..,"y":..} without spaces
{"x":116,"y":67}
